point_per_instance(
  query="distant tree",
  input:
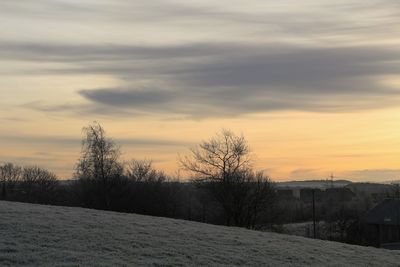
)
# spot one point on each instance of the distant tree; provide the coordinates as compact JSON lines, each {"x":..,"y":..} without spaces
{"x":143,"y":171}
{"x":98,"y":169}
{"x":38,"y":184}
{"x":9,"y":177}
{"x":218,"y":159}
{"x":150,"y":193}
{"x":261,"y":196}
{"x":395,"y":192}
{"x":340,"y":217}
{"x":222,"y":165}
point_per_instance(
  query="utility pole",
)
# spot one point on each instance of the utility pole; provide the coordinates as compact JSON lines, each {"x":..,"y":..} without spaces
{"x":313,"y":213}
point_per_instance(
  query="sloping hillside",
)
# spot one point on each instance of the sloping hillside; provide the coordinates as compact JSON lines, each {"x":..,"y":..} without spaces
{"x":313,"y":184}
{"x":53,"y":236}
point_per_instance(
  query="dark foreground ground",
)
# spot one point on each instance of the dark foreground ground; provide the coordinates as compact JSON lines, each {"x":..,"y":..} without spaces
{"x":35,"y":235}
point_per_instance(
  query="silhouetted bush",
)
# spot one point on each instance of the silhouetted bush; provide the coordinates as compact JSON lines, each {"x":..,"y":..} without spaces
{"x":29,"y":184}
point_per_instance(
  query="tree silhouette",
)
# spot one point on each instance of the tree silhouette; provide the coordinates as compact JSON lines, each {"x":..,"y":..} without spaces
{"x":9,"y":177}
{"x":98,"y":167}
{"x":222,"y":165}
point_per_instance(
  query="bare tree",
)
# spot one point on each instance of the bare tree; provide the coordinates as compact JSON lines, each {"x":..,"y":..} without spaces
{"x":143,"y":171}
{"x":151,"y":191}
{"x":99,"y":165}
{"x":9,"y":177}
{"x":219,"y":158}
{"x":38,"y":184}
{"x":262,"y":195}
{"x":222,"y":165}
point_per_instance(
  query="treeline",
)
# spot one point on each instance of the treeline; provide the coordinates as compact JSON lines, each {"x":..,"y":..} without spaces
{"x":223,"y":188}
{"x":29,"y":184}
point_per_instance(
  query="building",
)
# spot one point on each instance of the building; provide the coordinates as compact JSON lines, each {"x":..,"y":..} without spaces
{"x":383,"y":224}
{"x":338,"y":194}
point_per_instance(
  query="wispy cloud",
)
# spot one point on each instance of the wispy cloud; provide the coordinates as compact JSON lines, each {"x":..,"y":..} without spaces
{"x":231,"y":79}
{"x":72,"y":141}
{"x":313,"y":56}
{"x":189,"y":60}
{"x":305,"y":173}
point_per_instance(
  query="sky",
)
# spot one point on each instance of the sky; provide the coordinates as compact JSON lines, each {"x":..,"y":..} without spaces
{"x":313,"y":85}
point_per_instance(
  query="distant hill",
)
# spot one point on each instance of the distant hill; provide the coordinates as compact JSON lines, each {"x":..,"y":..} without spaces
{"x":313,"y":184}
{"x":35,"y":235}
{"x":392,"y":182}
{"x":370,"y":188}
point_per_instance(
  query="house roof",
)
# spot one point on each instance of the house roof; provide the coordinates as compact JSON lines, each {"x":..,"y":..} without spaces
{"x":386,"y":213}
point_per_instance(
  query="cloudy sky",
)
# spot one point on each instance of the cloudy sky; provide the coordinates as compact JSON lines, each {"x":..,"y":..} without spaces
{"x":313,"y":85}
